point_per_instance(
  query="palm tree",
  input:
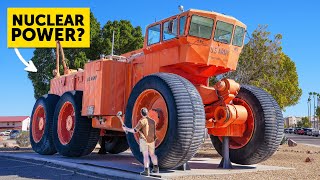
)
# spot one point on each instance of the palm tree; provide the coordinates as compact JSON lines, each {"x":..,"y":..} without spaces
{"x":317,"y":106}
{"x":314,"y":108}
{"x":310,"y":109}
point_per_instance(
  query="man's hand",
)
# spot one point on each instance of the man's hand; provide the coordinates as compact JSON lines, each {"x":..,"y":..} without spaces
{"x":125,"y":129}
{"x":119,"y":114}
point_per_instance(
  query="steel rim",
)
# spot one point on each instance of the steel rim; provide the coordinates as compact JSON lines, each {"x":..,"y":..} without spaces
{"x":239,"y":142}
{"x":66,"y":123}
{"x":158,"y":111}
{"x":38,"y":123}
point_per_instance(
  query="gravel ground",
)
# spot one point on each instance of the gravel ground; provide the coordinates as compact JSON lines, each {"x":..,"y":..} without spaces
{"x":292,"y":157}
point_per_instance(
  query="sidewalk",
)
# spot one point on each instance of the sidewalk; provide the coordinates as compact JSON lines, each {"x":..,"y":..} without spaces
{"x":23,"y":169}
{"x":125,"y":166}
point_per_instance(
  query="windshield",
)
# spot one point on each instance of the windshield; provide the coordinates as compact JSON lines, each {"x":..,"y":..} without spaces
{"x":238,"y":36}
{"x":223,"y":32}
{"x":201,"y":27}
{"x":154,"y":34}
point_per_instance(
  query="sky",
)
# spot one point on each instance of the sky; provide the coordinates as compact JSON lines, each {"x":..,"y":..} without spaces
{"x":297,"y":21}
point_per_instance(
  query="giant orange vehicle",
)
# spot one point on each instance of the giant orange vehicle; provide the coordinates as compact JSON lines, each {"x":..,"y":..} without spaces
{"x":169,"y":76}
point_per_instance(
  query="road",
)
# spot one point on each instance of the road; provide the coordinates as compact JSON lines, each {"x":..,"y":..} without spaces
{"x":21,"y":169}
{"x":304,"y":139}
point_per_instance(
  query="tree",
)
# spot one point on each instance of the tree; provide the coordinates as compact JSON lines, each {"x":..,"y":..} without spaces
{"x":44,"y":60}
{"x":318,"y":112}
{"x":304,"y":122}
{"x":263,"y":64}
{"x":127,"y":38}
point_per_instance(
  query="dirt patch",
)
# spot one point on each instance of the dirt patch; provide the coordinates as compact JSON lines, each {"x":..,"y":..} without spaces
{"x":291,"y":157}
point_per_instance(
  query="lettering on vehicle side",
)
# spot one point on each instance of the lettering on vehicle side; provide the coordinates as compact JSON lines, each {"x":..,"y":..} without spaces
{"x":199,"y":41}
{"x":92,"y":78}
{"x":217,"y":50}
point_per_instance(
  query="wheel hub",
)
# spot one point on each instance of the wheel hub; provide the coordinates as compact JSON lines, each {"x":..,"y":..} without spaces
{"x":41,"y":123}
{"x":69,"y":123}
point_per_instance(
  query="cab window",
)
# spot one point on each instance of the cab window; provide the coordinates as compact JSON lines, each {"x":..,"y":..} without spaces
{"x":182,"y":21}
{"x":223,"y":32}
{"x":154,"y":34}
{"x":170,"y":29}
{"x":238,"y":36}
{"x":201,"y":27}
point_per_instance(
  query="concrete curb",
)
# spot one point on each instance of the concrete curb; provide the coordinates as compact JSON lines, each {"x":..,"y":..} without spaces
{"x":312,"y":145}
{"x":91,"y":169}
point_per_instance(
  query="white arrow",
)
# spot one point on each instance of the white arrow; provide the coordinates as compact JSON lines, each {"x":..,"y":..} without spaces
{"x":30,"y":66}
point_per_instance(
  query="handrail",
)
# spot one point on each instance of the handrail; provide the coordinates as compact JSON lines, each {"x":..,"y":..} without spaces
{"x":66,"y":69}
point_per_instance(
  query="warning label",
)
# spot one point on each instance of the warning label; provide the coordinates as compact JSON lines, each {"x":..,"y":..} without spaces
{"x":42,"y":27}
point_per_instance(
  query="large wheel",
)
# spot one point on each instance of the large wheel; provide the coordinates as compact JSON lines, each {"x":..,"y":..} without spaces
{"x":73,"y":134}
{"x":115,"y":144}
{"x":264,"y":128}
{"x":180,"y":117}
{"x":41,"y":125}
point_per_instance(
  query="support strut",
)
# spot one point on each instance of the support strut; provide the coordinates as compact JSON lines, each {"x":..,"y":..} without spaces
{"x":225,"y":161}
{"x":184,"y":167}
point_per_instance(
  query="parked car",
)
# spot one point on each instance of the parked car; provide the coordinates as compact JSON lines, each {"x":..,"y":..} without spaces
{"x":308,"y":131}
{"x":291,"y":130}
{"x":296,"y":130}
{"x":14,"y":134}
{"x":286,"y":130}
{"x":300,"y":131}
{"x":305,"y":130}
{"x":315,"y":132}
{"x":7,"y":132}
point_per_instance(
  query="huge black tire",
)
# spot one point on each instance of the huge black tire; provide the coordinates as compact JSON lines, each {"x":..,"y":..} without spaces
{"x":45,"y":146}
{"x":115,"y":144}
{"x":84,"y":138}
{"x":267,"y":132}
{"x":186,"y":119}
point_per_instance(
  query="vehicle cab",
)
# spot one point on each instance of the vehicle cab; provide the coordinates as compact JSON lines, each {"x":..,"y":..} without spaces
{"x":195,"y":40}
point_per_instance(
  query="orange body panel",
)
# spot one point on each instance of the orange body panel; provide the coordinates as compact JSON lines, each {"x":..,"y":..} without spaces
{"x":104,"y":90}
{"x":70,"y":82}
{"x":107,"y":122}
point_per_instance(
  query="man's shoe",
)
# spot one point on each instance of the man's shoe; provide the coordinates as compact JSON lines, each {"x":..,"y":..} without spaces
{"x":155,"y":169}
{"x":146,"y":172}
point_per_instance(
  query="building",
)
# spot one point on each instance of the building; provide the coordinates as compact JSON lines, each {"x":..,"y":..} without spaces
{"x":292,"y":121}
{"x":14,"y":122}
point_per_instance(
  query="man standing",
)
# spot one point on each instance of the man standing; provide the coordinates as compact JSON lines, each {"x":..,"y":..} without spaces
{"x":146,"y":127}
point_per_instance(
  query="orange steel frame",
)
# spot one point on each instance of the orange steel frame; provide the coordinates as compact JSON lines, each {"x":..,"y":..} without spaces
{"x":107,"y":84}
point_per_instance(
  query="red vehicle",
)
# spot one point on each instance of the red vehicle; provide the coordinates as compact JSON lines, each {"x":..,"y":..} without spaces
{"x":300,"y":132}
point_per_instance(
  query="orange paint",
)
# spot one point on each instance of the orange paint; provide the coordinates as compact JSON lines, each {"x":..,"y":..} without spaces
{"x":107,"y":83}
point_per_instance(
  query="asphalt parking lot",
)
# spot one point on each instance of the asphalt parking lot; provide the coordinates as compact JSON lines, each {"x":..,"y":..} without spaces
{"x":23,"y":169}
{"x":304,"y":139}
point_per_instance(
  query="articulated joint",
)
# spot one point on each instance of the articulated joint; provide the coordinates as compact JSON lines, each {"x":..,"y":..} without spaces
{"x":227,"y":89}
{"x":230,"y":114}
{"x":223,"y":117}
